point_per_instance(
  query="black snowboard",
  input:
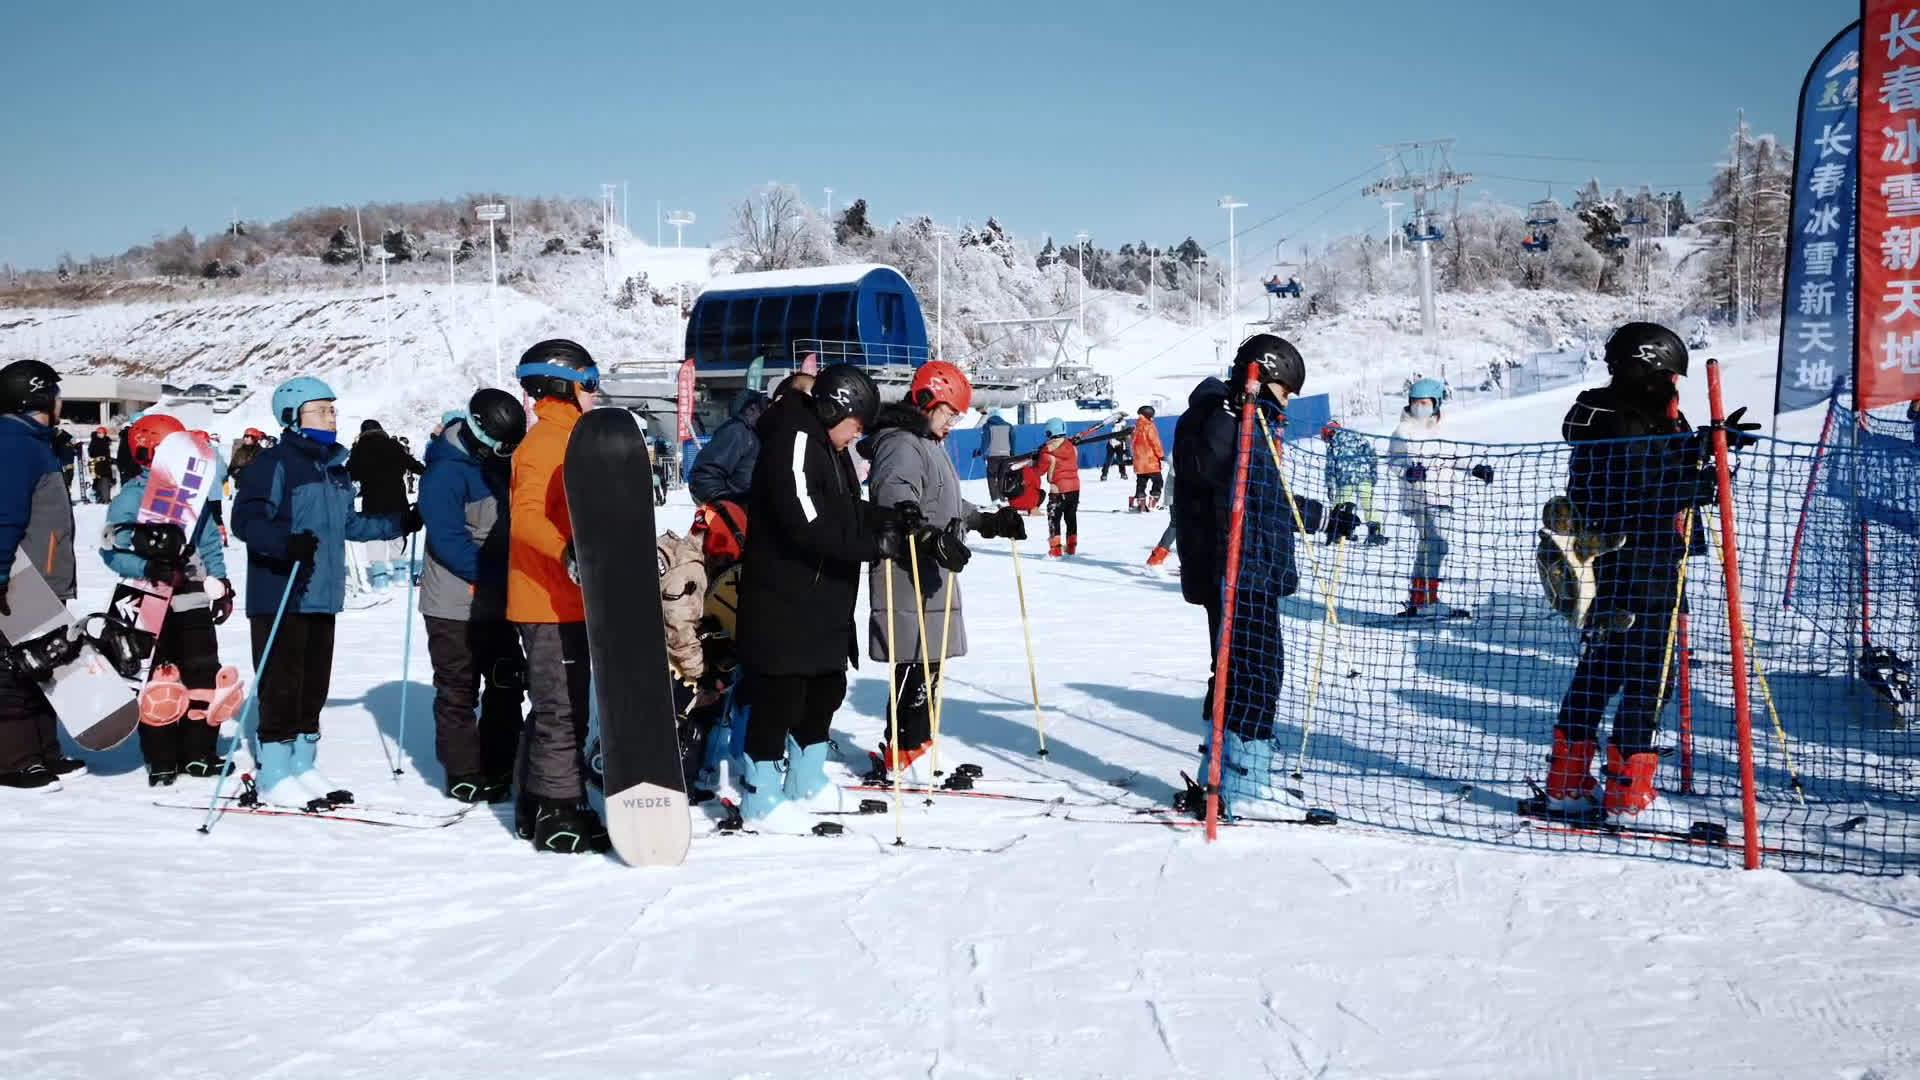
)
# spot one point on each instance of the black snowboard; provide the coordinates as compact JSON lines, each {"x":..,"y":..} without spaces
{"x":608,"y":477}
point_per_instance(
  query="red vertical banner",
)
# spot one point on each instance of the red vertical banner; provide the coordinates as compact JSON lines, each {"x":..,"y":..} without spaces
{"x":1887,"y":345}
{"x":686,"y":402}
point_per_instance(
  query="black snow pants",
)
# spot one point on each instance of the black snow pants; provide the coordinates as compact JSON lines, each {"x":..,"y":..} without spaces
{"x":29,"y":732}
{"x":1256,"y":661}
{"x":1063,"y":511}
{"x":916,"y":703}
{"x":559,"y":680}
{"x":465,"y":656}
{"x":186,"y":640}
{"x":1631,"y":663}
{"x":1143,"y":481}
{"x":292,"y":687}
{"x":797,"y":705}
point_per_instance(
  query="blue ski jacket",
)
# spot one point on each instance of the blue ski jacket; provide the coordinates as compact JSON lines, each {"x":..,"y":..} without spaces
{"x":1351,"y":460}
{"x":36,"y":511}
{"x":465,"y":506}
{"x":116,"y":538}
{"x":724,"y":469}
{"x":300,"y":485}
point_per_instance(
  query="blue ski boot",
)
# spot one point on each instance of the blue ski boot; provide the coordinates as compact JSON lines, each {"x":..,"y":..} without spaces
{"x":807,"y":784}
{"x":306,"y":749}
{"x":763,"y":800}
{"x":1246,"y":770}
{"x":277,"y":783}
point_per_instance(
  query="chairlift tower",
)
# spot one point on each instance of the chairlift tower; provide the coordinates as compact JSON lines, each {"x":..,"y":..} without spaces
{"x":609,"y":212}
{"x":1423,"y":168}
{"x":491,"y":213}
{"x":679,"y":219}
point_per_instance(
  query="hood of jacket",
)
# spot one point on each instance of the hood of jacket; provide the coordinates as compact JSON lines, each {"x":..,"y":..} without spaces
{"x":896,"y":416}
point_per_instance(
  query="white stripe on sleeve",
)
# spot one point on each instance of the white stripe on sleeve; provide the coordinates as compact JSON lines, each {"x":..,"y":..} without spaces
{"x":800,"y":477}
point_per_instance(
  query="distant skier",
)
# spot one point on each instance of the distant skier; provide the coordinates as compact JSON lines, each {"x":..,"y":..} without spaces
{"x":1147,"y":455}
{"x":123,"y":462}
{"x":544,"y":601}
{"x":911,"y":466}
{"x":724,"y":467}
{"x":1352,"y":469}
{"x":1060,"y":468}
{"x":100,"y":466}
{"x":248,"y":448}
{"x":380,"y":465}
{"x":1431,"y":488}
{"x":1206,"y":443}
{"x":1168,"y":536}
{"x":463,"y":597}
{"x":1118,"y":451}
{"x":189,"y":694}
{"x":36,"y":517}
{"x":294,"y":511}
{"x":1643,"y":490}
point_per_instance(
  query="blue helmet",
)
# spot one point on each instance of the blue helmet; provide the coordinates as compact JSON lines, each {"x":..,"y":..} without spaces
{"x":292,"y":394}
{"x":1428,"y":388}
{"x":1056,"y":427}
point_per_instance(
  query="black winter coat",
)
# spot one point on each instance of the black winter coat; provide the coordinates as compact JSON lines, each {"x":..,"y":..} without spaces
{"x":379,"y":464}
{"x":808,"y":532}
{"x":1639,"y":487}
{"x":1206,"y":447}
{"x":123,"y":457}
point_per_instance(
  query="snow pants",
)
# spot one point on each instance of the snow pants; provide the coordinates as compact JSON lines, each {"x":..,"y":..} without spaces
{"x":1637,"y":665}
{"x":1361,"y":496}
{"x":1256,"y":661}
{"x":293,"y":688}
{"x":797,"y":705}
{"x":467,"y":655}
{"x":29,"y":732}
{"x":1063,"y":510}
{"x":915,"y":695}
{"x":1114,"y":459}
{"x":1143,"y":481}
{"x":559,"y":680}
{"x":1430,"y":556}
{"x":186,"y":640}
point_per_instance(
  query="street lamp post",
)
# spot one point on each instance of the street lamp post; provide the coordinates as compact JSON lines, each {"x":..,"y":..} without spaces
{"x":1230,"y":204}
{"x":381,"y":255}
{"x":491,"y":213}
{"x":1199,"y":268}
{"x":1081,"y":238}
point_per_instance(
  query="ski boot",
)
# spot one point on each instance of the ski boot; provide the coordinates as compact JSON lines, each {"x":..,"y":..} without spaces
{"x":62,"y":765}
{"x":806,"y":785}
{"x":1630,"y":782}
{"x":567,"y":827}
{"x":1053,"y":547}
{"x":276,"y":782}
{"x":1571,"y":788}
{"x":306,"y":749}
{"x":886,"y":763}
{"x":1246,"y":769}
{"x":29,"y":778}
{"x":1073,"y":545}
{"x":764,"y":807}
{"x":1158,"y":558}
{"x":1375,"y":534}
{"x":478,"y":788}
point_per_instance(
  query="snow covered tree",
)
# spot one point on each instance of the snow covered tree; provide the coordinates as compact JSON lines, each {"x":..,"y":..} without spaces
{"x":776,"y":229}
{"x":1744,"y":217}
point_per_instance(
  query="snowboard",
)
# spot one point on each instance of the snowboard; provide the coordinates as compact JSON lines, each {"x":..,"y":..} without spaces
{"x":94,"y":704}
{"x":646,"y":787}
{"x":178,"y":483}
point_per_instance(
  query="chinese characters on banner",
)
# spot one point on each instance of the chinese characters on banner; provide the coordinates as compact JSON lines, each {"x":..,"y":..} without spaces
{"x":1817,"y":309}
{"x":686,"y":402}
{"x":1887,"y":357}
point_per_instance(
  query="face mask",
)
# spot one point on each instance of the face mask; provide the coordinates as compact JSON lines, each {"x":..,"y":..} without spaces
{"x":1420,"y":412}
{"x":323,"y":437}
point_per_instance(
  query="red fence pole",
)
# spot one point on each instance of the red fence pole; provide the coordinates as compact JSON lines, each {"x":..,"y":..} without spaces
{"x":1236,"y":528}
{"x":1736,"y":621}
{"x":1686,"y":708}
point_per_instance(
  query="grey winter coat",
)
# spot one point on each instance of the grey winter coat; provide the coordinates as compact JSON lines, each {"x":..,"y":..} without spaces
{"x":910,"y":465}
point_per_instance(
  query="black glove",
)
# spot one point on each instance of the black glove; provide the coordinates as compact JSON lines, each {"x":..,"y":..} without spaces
{"x":1483,"y":473}
{"x":1739,"y":435}
{"x":1313,"y":514}
{"x":909,"y":515}
{"x":945,"y":547}
{"x":1342,"y":523}
{"x":222,"y":606}
{"x":411,"y":521}
{"x":302,"y":546}
{"x":1002,"y":524}
{"x":1415,"y":473}
{"x":572,"y":564}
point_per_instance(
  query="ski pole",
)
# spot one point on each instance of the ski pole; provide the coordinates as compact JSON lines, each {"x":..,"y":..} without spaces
{"x":252,"y":705}
{"x":920,"y":609}
{"x":406,"y":662}
{"x":1026,"y":632}
{"x":939,"y":692}
{"x":893,"y":707}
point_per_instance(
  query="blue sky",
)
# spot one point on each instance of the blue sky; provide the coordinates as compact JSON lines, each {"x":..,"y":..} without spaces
{"x":121,"y":120}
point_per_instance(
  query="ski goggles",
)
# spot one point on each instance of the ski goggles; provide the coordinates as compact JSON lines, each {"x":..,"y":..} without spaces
{"x":498,"y":447}
{"x":589,"y":380}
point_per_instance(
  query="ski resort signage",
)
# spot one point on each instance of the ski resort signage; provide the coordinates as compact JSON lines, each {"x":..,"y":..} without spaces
{"x":1887,"y":337}
{"x":1817,"y":315}
{"x":684,"y":433}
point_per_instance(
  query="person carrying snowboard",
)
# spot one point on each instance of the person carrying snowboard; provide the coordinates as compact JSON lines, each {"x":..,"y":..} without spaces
{"x":799,"y":581}
{"x":381,"y":466}
{"x":1206,"y":442}
{"x":724,"y":468}
{"x":1352,"y":468}
{"x":911,"y":466}
{"x":294,"y":512}
{"x":1060,"y":469}
{"x":1147,"y":456}
{"x":545,"y":604}
{"x":188,"y":694}
{"x":1431,"y":487}
{"x":463,"y":597}
{"x":36,"y":517}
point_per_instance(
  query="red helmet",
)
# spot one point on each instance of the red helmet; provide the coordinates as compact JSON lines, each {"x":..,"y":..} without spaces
{"x":940,"y":383}
{"x":144,"y":435}
{"x":254,"y":433}
{"x":1327,"y":432}
{"x":101,"y":430}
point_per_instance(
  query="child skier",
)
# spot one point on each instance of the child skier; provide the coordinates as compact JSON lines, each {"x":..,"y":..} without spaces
{"x":1430,"y":489}
{"x":188,"y":693}
{"x":463,"y":597}
{"x":910,"y":466}
{"x":294,"y":511}
{"x":1147,"y":456}
{"x":544,"y":601}
{"x":1060,"y":468}
{"x":36,"y":517}
{"x":1352,"y":467}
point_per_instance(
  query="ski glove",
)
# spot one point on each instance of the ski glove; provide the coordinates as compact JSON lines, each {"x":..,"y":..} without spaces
{"x":945,"y":547}
{"x":1003,"y":524}
{"x":222,"y":606}
{"x":1415,"y":473}
{"x":1483,"y":473}
{"x":302,"y":547}
{"x":1342,"y":523}
{"x":411,"y":521}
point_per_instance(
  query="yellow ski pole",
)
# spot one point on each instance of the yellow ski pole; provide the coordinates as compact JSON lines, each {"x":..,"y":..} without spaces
{"x":940,"y":692}
{"x":1026,"y":632}
{"x":893,"y":708}
{"x":920,"y":608}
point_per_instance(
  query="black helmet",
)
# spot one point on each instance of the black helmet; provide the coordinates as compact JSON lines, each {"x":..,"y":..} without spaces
{"x":843,"y":390}
{"x":1275,"y":357}
{"x":552,"y":368}
{"x":28,"y":386}
{"x":1146,"y":411}
{"x":495,"y":423}
{"x":1641,"y":348}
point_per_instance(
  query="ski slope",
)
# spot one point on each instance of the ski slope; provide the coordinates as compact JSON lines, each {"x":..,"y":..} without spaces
{"x":1002,"y":939}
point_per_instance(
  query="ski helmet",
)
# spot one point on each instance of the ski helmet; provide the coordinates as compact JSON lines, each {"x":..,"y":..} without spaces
{"x":250,"y":433}
{"x":1331,"y":429}
{"x":1056,"y":428}
{"x":1272,"y":359}
{"x":552,"y":368}
{"x":1640,"y":348}
{"x":495,"y":421}
{"x":1435,"y":389}
{"x":101,"y":430}
{"x":937,"y":382}
{"x":28,"y":386}
{"x":294,"y":393}
{"x":1146,"y":411}
{"x":843,"y":390}
{"x":144,"y":436}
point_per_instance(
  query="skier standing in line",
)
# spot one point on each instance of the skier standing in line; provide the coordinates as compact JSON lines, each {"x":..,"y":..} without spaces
{"x":464,"y":502}
{"x":1352,"y":467}
{"x":724,"y":469}
{"x":911,"y":466}
{"x":1431,"y":487}
{"x":1147,"y":456}
{"x":244,"y":452}
{"x":36,"y":517}
{"x":1117,"y":451}
{"x":1170,"y":535}
{"x":294,"y":511}
{"x":123,"y":462}
{"x":100,"y":465}
{"x":1060,"y":468}
{"x":380,"y":465}
{"x":1207,"y":441}
{"x":544,"y":601}
{"x":67,"y":449}
{"x":189,"y":694}
{"x":1636,"y":473}
{"x":800,"y":580}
